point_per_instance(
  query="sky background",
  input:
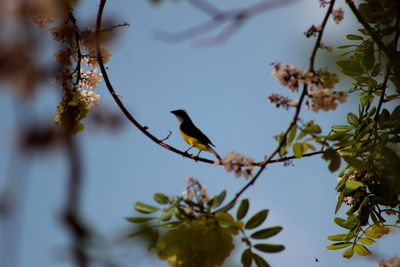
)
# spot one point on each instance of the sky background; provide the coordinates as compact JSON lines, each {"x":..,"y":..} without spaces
{"x":224,"y":88}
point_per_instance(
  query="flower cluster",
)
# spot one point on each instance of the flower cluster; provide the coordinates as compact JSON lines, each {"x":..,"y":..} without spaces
{"x":325,"y":99}
{"x":290,"y":75}
{"x":91,"y":98}
{"x":78,"y":84}
{"x":359,"y":194}
{"x":63,"y":33}
{"x":237,"y":163}
{"x":393,"y":262}
{"x":89,"y":79}
{"x":195,"y":190}
{"x":319,"y":85}
{"x":338,"y":15}
{"x":282,"y":101}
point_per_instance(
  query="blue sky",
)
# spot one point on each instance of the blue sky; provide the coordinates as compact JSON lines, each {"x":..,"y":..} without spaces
{"x":224,"y":88}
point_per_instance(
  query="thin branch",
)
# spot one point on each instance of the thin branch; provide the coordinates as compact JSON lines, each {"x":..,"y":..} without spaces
{"x":319,"y":38}
{"x":71,"y":219}
{"x":235,"y":19}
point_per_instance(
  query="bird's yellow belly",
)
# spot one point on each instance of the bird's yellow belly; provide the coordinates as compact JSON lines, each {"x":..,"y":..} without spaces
{"x":194,"y":142}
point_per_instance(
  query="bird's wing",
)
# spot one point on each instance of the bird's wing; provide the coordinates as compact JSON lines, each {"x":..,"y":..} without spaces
{"x":190,"y":129}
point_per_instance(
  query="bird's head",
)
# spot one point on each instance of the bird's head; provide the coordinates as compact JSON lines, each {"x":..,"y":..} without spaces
{"x":180,"y":114}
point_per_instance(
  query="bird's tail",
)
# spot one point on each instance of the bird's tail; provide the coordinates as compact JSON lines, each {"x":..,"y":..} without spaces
{"x":215,"y":153}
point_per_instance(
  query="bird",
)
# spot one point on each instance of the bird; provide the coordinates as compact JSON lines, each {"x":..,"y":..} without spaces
{"x":192,"y":135}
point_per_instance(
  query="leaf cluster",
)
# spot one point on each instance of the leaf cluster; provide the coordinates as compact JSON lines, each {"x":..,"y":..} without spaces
{"x":194,"y":227}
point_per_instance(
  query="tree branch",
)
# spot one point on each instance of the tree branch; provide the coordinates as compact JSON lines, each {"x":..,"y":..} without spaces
{"x":296,"y":114}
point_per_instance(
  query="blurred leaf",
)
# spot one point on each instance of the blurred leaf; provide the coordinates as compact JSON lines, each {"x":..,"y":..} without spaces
{"x":268,"y":248}
{"x":372,"y":234}
{"x":352,"y":119}
{"x":362,"y":250}
{"x":366,"y":241}
{"x":354,"y":37}
{"x":218,"y":199}
{"x":227,"y":207}
{"x":334,"y":158}
{"x":161,"y":198}
{"x":339,"y":245}
{"x":376,"y":70}
{"x":267,"y":232}
{"x":338,"y":237}
{"x":350,"y":67}
{"x":292,"y":134}
{"x":356,"y":163}
{"x":353,"y":185}
{"x":167,"y":215}
{"x":260,"y":262}
{"x":170,"y":224}
{"x":341,"y":128}
{"x":370,"y":12}
{"x":246,"y":258}
{"x":242,"y":210}
{"x":348,"y":253}
{"x":138,"y":219}
{"x":345,"y":46}
{"x":348,"y":224}
{"x":145,"y":208}
{"x":339,"y":202}
{"x":298,"y":150}
{"x":257,"y":219}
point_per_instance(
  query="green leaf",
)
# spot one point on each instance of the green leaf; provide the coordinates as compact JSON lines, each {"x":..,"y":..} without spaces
{"x":350,"y":67}
{"x":345,"y":46}
{"x":362,"y":250}
{"x":348,"y":253}
{"x":353,"y":185}
{"x":167,"y":215}
{"x":334,"y":158}
{"x":246,"y":258}
{"x":354,"y":37}
{"x":145,"y":208}
{"x":226,"y":208}
{"x":372,"y":233}
{"x":356,"y":163}
{"x":161,"y":198}
{"x":352,"y":119}
{"x":139,"y":219}
{"x":371,"y":12}
{"x":339,"y":245}
{"x":260,"y":262}
{"x":242,"y":210}
{"x":339,"y":202}
{"x":348,"y":224}
{"x":298,"y":150}
{"x":339,"y":237}
{"x":267,"y":232}
{"x":268,"y":248}
{"x":257,"y":219}
{"x":292,"y":134}
{"x":341,"y":128}
{"x":376,"y":70}
{"x":170,"y":224}
{"x":366,"y":241}
{"x":218,"y":199}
